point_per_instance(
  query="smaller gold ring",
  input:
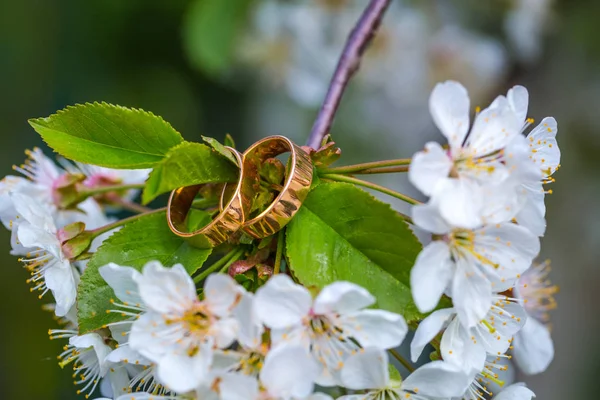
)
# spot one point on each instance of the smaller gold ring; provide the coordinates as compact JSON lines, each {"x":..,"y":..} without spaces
{"x":227,"y":222}
{"x":294,"y":191}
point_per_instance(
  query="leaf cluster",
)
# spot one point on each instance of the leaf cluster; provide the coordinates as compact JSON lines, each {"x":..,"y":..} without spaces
{"x":340,"y":233}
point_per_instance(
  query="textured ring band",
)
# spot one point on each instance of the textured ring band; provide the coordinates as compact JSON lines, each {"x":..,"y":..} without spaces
{"x":294,"y":191}
{"x":229,"y":219}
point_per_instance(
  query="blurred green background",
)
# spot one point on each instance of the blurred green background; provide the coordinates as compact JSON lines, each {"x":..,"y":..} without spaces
{"x":157,"y":55}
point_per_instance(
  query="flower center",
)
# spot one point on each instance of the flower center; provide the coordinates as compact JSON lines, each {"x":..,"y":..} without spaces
{"x":330,"y":345}
{"x":537,"y":291}
{"x":195,"y":320}
{"x":462,"y":243}
{"x":252,"y":364}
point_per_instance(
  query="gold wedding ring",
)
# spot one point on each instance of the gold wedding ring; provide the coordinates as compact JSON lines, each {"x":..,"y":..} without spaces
{"x":295,"y":189}
{"x":227,"y":222}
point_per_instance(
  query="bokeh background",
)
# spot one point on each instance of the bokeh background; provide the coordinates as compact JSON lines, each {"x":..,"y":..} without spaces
{"x":253,"y":68}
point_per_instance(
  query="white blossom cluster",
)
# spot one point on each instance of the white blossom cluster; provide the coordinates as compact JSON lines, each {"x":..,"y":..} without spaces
{"x":30,"y":209}
{"x":486,"y":213}
{"x":173,"y":340}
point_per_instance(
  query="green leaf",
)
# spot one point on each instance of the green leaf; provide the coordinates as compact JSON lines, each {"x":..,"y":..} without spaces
{"x":108,"y":135}
{"x":210,"y":30}
{"x":185,"y":165}
{"x":219,"y":148}
{"x":146,"y":239}
{"x":343,"y":233}
{"x":228,"y":141}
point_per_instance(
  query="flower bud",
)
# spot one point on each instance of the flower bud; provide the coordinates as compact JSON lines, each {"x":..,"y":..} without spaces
{"x":66,"y":193}
{"x":75,"y":240}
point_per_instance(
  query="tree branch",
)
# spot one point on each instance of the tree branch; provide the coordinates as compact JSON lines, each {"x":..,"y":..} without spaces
{"x":349,"y":62}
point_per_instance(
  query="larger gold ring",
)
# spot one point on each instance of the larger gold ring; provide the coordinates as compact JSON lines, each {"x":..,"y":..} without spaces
{"x":294,"y":191}
{"x":227,"y":222}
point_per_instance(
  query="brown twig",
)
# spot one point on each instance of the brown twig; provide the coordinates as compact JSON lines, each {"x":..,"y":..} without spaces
{"x":357,"y":42}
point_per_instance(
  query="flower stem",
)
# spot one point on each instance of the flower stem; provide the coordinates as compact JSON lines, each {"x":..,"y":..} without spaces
{"x":360,"y":182}
{"x":103,"y":229}
{"x":402,"y":360}
{"x":279,"y":253}
{"x":130,"y":206}
{"x":377,"y":167}
{"x":223,"y":263}
{"x":348,"y":64}
{"x":88,"y":192}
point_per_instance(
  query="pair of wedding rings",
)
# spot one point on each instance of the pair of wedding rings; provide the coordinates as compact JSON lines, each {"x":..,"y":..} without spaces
{"x":235,"y":205}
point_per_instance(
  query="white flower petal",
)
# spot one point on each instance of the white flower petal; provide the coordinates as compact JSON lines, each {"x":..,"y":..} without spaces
{"x":375,"y":328}
{"x":367,"y":369}
{"x":431,"y":275}
{"x":471,"y":292}
{"x":95,"y":341}
{"x":117,"y":382}
{"x":280,"y":303}
{"x":128,"y":355}
{"x":221,"y":293}
{"x":427,"y":216}
{"x":33,"y":211}
{"x":518,"y":391}
{"x":460,"y":202}
{"x":166,"y":290}
{"x":507,"y":250}
{"x":238,"y":387}
{"x":542,"y":139}
{"x":342,"y":297}
{"x":60,"y":279}
{"x":459,"y":348}
{"x":493,"y":128}
{"x":449,"y":106}
{"x":533,"y":347}
{"x":146,"y":336}
{"x":289,"y":371}
{"x":294,"y":336}
{"x":250,"y":329}
{"x":122,"y":282}
{"x":518,"y":98}
{"x":31,"y":236}
{"x":501,"y":201}
{"x":429,"y":167}
{"x":437,"y":379}
{"x":318,"y":396}
{"x":182,"y":373}
{"x":428,"y":329}
{"x":145,"y":396}
{"x":532,"y":216}
{"x":224,"y":331}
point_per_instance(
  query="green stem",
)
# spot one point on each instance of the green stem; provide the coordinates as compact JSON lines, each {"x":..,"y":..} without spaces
{"x":402,"y":360}
{"x":384,"y":170}
{"x":360,"y":182}
{"x":279,"y":254}
{"x":358,"y":168}
{"x":130,"y":206}
{"x":222,"y":265}
{"x":103,"y":229}
{"x":87,"y":192}
{"x":217,"y":265}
